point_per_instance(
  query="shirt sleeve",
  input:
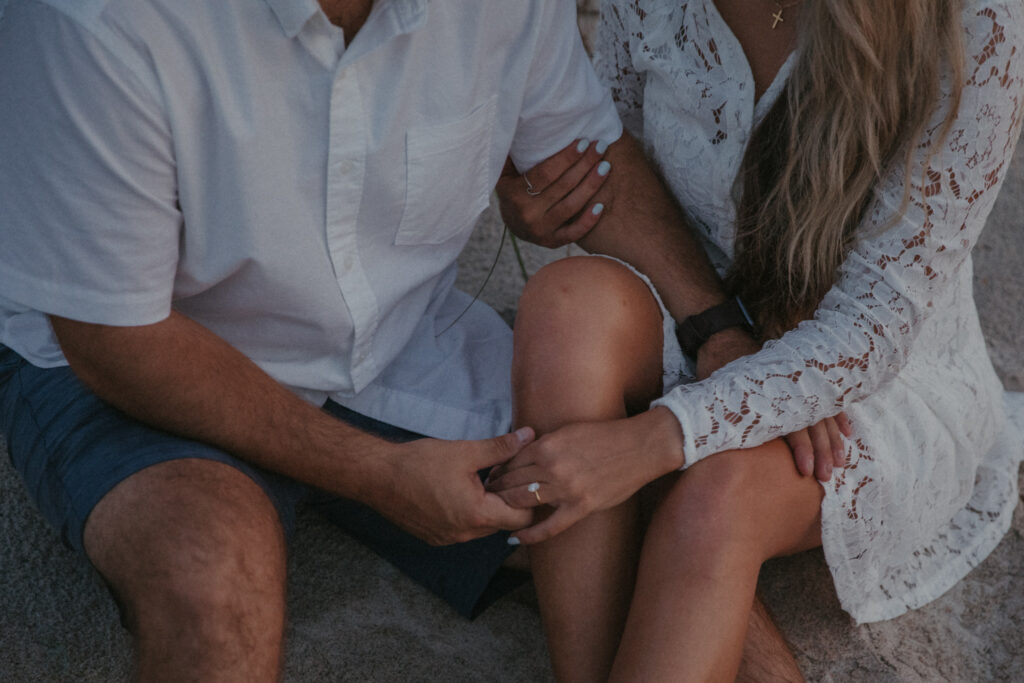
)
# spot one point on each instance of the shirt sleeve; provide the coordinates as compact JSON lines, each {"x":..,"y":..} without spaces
{"x":863,"y":332}
{"x":88,"y":211}
{"x":614,"y":66}
{"x":563,"y":98}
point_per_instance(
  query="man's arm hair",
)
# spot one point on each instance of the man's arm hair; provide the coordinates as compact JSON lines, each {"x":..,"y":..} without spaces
{"x":643,"y":225}
{"x":180,"y":377}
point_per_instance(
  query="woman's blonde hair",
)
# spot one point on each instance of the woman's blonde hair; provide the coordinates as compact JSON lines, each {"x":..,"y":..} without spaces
{"x":864,"y":88}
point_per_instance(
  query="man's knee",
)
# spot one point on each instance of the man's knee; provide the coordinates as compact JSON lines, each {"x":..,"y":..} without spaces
{"x":192,"y":541}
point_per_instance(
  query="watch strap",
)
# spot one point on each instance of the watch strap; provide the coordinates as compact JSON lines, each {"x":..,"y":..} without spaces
{"x":697,"y":329}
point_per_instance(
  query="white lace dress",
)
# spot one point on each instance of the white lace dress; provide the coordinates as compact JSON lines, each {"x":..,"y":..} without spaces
{"x":931,"y":480}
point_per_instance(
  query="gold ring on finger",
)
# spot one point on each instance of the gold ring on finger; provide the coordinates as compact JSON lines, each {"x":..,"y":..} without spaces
{"x":534,"y":488}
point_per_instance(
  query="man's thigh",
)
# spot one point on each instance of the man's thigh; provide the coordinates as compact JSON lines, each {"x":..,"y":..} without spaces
{"x":72,"y":449}
{"x":468,"y":576}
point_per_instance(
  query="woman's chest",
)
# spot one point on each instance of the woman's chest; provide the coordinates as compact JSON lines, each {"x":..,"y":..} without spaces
{"x":700,"y":104}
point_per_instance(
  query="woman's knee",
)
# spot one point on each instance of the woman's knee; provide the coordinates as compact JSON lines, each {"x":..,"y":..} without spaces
{"x":586,"y":314}
{"x":707,"y":504}
{"x":753,"y":500}
{"x":589,"y":288}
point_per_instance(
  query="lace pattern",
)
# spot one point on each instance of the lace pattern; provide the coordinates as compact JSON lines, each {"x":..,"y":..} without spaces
{"x":927,"y":491}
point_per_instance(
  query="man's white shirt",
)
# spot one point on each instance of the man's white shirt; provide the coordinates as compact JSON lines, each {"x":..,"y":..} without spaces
{"x":302,"y":198}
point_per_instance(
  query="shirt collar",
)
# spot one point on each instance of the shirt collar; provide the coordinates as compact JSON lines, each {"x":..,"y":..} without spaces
{"x":410,"y":14}
{"x":293,"y":14}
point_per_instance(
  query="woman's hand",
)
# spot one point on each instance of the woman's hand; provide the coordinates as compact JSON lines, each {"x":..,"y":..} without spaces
{"x":586,"y":467}
{"x":553,"y":203}
{"x":819,"y":449}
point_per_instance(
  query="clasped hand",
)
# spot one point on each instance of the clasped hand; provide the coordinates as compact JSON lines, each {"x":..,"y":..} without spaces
{"x":432,"y":489}
{"x":585,"y":467}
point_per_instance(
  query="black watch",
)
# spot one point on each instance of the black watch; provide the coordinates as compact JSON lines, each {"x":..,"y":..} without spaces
{"x":697,"y":329}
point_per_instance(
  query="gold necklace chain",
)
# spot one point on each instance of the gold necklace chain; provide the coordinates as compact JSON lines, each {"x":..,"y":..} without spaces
{"x":779,"y":9}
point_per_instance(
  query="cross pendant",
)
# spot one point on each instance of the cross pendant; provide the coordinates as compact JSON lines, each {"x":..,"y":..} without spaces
{"x":777,"y":16}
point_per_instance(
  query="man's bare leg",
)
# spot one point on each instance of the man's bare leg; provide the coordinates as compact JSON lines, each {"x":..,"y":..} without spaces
{"x":574,"y":363}
{"x":194,"y":551}
{"x":766,"y":656}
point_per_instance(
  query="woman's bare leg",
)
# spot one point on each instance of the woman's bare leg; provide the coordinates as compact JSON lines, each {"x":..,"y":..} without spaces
{"x":701,"y":556}
{"x":588,"y":347}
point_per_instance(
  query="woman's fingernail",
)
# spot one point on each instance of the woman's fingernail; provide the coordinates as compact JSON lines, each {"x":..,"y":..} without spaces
{"x":523,"y":434}
{"x":603,"y":168}
{"x":512,"y":540}
{"x":601,"y":147}
{"x":598,"y":208}
{"x":582,"y":145}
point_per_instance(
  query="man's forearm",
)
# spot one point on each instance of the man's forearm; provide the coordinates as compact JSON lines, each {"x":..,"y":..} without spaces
{"x":643,"y":225}
{"x":178,"y":376}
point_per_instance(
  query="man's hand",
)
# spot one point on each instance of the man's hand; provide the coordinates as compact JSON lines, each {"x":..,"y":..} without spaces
{"x":585,"y":467}
{"x":436,"y":494}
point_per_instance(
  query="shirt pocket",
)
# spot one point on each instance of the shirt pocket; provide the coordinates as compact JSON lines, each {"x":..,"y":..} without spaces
{"x":447,"y":177}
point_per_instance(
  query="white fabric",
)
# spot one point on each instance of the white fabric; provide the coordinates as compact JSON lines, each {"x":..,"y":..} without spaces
{"x":931,"y":482}
{"x":302,"y":198}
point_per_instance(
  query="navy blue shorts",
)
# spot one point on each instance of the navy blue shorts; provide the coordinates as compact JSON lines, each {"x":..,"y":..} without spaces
{"x":71,"y":448}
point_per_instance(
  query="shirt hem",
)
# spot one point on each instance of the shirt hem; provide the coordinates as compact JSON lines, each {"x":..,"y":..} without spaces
{"x":423,"y":416}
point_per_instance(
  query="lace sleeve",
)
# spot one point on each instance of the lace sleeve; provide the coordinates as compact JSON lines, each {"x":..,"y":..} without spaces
{"x":861,"y":335}
{"x":615,"y":66}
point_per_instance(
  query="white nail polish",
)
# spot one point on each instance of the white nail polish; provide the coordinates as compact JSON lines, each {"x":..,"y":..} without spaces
{"x":598,"y":208}
{"x":533,"y":487}
{"x":601,"y":147}
{"x":603,"y":168}
{"x":512,"y":540}
{"x":582,"y":145}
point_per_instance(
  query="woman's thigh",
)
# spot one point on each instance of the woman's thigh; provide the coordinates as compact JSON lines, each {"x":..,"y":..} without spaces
{"x":754,"y":499}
